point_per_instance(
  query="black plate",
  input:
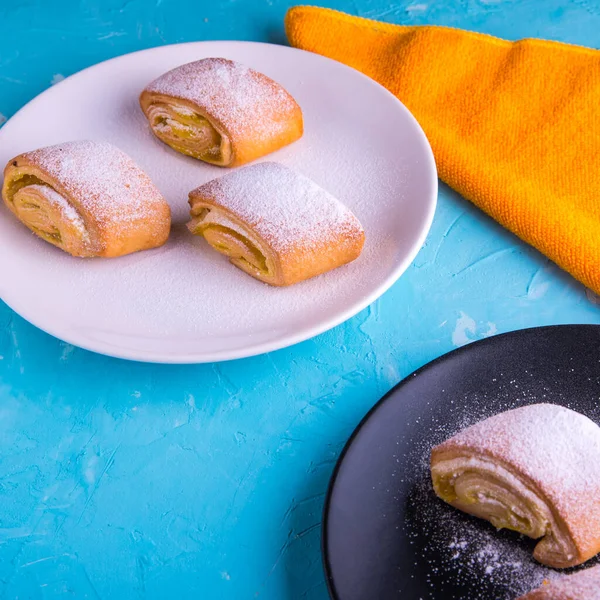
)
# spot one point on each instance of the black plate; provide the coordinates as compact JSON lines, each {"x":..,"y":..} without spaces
{"x":385,"y":534}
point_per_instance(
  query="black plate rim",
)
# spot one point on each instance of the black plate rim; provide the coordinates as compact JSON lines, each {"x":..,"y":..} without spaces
{"x":326,"y":508}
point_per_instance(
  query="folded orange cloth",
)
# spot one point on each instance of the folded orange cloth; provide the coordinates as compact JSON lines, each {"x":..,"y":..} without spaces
{"x":514,"y":126}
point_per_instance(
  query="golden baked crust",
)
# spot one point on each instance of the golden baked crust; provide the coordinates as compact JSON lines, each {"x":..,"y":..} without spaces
{"x":221,"y":112}
{"x":275,"y":224}
{"x":87,"y":198}
{"x":535,"y":470}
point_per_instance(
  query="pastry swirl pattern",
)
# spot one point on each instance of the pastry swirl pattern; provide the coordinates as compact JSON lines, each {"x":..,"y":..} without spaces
{"x":221,"y":112}
{"x":87,"y":198}
{"x":535,"y":470}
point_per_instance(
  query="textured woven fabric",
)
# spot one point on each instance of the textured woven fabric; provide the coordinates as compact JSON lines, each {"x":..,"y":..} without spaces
{"x":514,"y":126}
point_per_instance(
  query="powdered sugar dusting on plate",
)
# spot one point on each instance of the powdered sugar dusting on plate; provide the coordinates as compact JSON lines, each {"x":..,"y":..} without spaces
{"x":284,"y":207}
{"x":242,"y":99}
{"x":184,"y":300}
{"x":458,"y":549}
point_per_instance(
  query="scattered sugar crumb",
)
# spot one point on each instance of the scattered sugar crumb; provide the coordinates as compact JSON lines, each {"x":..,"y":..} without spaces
{"x":3,"y":119}
{"x":57,"y":78}
{"x":459,"y":551}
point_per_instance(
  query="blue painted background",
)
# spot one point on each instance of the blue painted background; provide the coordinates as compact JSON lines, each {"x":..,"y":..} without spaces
{"x":123,"y":480}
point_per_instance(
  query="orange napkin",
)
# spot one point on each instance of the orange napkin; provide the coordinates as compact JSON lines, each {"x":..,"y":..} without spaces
{"x":514,"y":126}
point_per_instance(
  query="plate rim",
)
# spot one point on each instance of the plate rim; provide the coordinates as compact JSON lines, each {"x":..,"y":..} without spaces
{"x":284,"y":341}
{"x":356,"y":431}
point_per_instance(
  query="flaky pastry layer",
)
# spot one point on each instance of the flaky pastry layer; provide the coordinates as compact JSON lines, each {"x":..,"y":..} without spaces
{"x":86,"y":198}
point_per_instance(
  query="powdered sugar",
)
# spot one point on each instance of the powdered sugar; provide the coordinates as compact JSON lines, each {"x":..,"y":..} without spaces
{"x":109,"y":186}
{"x":185,"y":300}
{"x":458,"y":551}
{"x":239,"y":98}
{"x":584,"y":585}
{"x":556,"y":448}
{"x":184,"y":111}
{"x":461,"y":551}
{"x":282,"y":206}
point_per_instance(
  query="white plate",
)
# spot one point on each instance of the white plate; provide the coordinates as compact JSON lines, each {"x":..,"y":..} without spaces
{"x":184,"y":303}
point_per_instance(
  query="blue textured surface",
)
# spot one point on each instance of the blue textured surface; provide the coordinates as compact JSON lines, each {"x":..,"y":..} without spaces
{"x":122,"y":480}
